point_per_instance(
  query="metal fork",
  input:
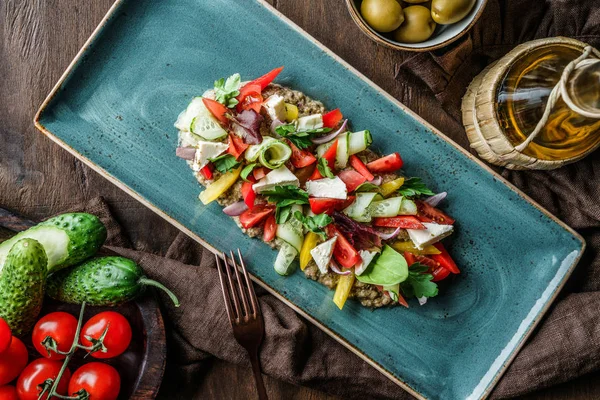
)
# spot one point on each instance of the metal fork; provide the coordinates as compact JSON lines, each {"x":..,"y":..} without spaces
{"x":246,"y":318}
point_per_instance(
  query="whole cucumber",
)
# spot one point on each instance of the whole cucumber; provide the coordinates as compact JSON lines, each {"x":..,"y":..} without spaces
{"x":103,"y":281}
{"x":67,"y":239}
{"x":22,"y":283}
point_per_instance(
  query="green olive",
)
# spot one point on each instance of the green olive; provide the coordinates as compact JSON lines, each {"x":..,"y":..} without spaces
{"x":382,"y":15}
{"x":450,"y":11}
{"x":417,"y":27}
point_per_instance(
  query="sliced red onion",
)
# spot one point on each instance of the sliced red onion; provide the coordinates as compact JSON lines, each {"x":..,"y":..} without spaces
{"x":436,"y":199}
{"x":376,"y":181}
{"x":388,"y":236}
{"x":331,"y":136}
{"x":422,"y":300}
{"x":335,"y":268}
{"x":276,"y":124}
{"x":187,"y":153}
{"x":235,"y":209}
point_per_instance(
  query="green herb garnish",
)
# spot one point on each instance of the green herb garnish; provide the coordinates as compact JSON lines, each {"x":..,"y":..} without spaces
{"x":284,"y":197}
{"x":413,"y":187}
{"x":323,"y":167}
{"x":300,"y":139}
{"x":419,"y":282}
{"x":225,"y":163}
{"x":314,"y":224}
{"x":247,"y":170}
{"x":226,"y":91}
{"x":367,"y":187}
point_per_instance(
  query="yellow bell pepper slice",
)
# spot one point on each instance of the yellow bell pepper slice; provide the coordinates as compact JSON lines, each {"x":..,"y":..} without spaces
{"x":402,"y":246}
{"x":291,"y":112}
{"x":342,"y":290}
{"x":310,"y":242}
{"x":220,"y":186}
{"x":391,"y":186}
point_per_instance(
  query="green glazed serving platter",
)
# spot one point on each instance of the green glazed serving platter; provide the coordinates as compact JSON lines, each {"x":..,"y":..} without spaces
{"x":114,"y":109}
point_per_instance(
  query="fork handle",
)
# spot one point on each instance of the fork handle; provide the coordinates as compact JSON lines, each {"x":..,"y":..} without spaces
{"x":260,"y":385}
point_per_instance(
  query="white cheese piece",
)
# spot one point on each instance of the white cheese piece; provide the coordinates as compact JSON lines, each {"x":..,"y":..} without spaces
{"x":314,"y":121}
{"x":322,"y":254}
{"x":333,"y":188}
{"x":278,"y":177}
{"x":206,"y":151}
{"x":432,"y":234}
{"x":366,"y":256}
{"x":275,"y":107}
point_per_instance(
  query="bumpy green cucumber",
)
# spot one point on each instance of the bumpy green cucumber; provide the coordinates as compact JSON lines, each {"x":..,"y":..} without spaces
{"x":103,"y":281}
{"x":67,"y":239}
{"x":22,"y":283}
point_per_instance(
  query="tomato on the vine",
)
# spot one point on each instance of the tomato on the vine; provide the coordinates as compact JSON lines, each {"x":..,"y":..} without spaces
{"x":12,"y":361}
{"x":118,"y":335}
{"x":5,"y":336}
{"x":8,"y":392}
{"x":36,"y":373}
{"x":61,"y":327}
{"x":100,"y":381}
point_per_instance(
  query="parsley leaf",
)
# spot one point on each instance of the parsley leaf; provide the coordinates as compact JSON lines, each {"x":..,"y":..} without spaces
{"x":413,"y":187}
{"x":247,"y":171}
{"x":314,"y":224}
{"x":225,"y":163}
{"x":419,"y":282}
{"x":284,"y":197}
{"x":227,"y":90}
{"x":300,"y":139}
{"x":323,"y":167}
{"x":367,"y":187}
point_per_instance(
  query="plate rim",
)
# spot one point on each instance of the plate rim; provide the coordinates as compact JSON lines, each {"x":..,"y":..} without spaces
{"x":397,"y":380}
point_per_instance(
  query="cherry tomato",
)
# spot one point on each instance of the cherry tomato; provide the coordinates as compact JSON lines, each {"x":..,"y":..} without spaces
{"x":36,"y":373}
{"x":352,"y":179}
{"x":101,"y":381}
{"x":332,"y":118}
{"x":12,"y":361}
{"x":270,"y":228}
{"x":433,"y":213}
{"x":237,"y":146}
{"x":300,"y":158}
{"x":117,"y":337}
{"x":389,"y":163}
{"x":444,"y":259}
{"x":5,"y":336}
{"x":248,"y":194}
{"x":251,"y":218}
{"x":61,"y":326}
{"x":360,"y":167}
{"x":217,"y":109}
{"x":8,"y":392}
{"x":343,"y":252}
{"x":401,"y":221}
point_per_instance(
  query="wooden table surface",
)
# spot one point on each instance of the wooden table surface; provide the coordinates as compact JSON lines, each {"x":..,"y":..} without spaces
{"x":39,"y":38}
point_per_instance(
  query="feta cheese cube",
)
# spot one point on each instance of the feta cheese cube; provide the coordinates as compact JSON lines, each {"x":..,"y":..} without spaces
{"x":278,"y":177}
{"x":205,"y":151}
{"x":322,"y":254}
{"x":366,"y":258}
{"x":314,"y":121}
{"x":432,"y":233}
{"x":333,"y":188}
{"x":275,"y":107}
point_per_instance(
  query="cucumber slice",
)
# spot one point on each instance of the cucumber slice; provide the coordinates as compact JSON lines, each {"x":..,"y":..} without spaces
{"x":408,"y":207}
{"x":207,"y":127}
{"x":285,"y":258}
{"x":386,"y":208}
{"x":253,"y":152}
{"x":360,"y":210}
{"x":184,"y":120}
{"x":274,"y":154}
{"x":359,"y":141}
{"x":341,"y":155}
{"x":292,"y":231}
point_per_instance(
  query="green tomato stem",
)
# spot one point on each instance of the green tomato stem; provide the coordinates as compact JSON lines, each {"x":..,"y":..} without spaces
{"x":150,"y":282}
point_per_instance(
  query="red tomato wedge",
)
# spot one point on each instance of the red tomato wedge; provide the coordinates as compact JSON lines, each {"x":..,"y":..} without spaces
{"x":259,"y":173}
{"x":332,"y":118}
{"x":440,"y":273}
{"x":389,"y":163}
{"x":207,"y":171}
{"x":433,"y":213}
{"x":410,"y":258}
{"x":352,"y":179}
{"x":343,"y":252}
{"x":250,"y":98}
{"x":300,"y":158}
{"x":253,"y":217}
{"x":429,"y":262}
{"x":264,"y":80}
{"x":270,"y":228}
{"x":361,"y":168}
{"x":444,"y":259}
{"x":236,"y":146}
{"x":248,"y":194}
{"x":217,"y":109}
{"x":329,"y":155}
{"x":401,"y":221}
{"x":327,"y":206}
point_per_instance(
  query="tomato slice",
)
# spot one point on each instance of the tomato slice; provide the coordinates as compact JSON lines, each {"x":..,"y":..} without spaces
{"x":236,"y":146}
{"x":434,"y":214}
{"x":300,"y":158}
{"x":440,"y":273}
{"x":343,"y":252}
{"x":248,"y":194}
{"x":325,"y":205}
{"x":270,"y":228}
{"x":253,"y":217}
{"x":259,"y":173}
{"x":332,"y":118}
{"x":250,"y":98}
{"x":401,"y":221}
{"x":267,"y":78}
{"x":352,"y":179}
{"x":360,"y":167}
{"x":389,"y":163}
{"x":444,"y":259}
{"x":217,"y":109}
{"x":207,"y":171}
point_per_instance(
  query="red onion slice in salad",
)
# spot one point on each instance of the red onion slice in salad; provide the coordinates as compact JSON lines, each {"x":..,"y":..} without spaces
{"x":335,"y":268}
{"x":388,"y":236}
{"x":436,"y":199}
{"x":377,"y":181}
{"x":331,"y":136}
{"x":235,"y":209}
{"x":187,"y":153}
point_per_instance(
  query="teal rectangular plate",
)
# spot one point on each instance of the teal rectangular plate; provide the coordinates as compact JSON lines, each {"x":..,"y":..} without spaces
{"x":114,"y":109}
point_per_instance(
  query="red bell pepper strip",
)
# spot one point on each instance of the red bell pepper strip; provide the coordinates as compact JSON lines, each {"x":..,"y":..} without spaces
{"x":267,"y":78}
{"x":389,"y":163}
{"x":332,"y":118}
{"x":329,"y":155}
{"x":440,"y":273}
{"x":207,"y":171}
{"x":444,"y":259}
{"x":401,"y":221}
{"x":248,"y":194}
{"x":217,"y":109}
{"x":236,"y":146}
{"x":253,"y":217}
{"x":410,"y":258}
{"x":270,"y":228}
{"x":361,"y":168}
{"x":343,"y":252}
{"x":300,"y":158}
